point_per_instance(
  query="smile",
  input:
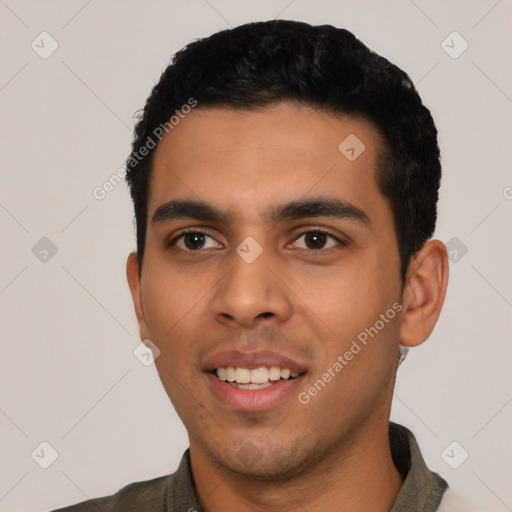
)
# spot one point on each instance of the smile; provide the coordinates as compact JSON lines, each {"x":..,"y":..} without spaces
{"x":257,"y":378}
{"x":253,"y":381}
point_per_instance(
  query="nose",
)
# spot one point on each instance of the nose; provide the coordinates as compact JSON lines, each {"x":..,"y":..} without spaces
{"x":250,"y":292}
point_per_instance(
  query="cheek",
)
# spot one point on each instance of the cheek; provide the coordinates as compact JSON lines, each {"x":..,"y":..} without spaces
{"x":351,"y":297}
{"x":167,"y":295}
{"x":171,"y":301}
{"x":173,"y":310}
{"x":363,"y":312}
{"x":356,"y":305}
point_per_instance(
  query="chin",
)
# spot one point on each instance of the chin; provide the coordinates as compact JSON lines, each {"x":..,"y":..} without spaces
{"x":259,"y":461}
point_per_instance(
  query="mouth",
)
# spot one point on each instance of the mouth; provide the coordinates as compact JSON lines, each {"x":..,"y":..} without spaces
{"x":255,"y":381}
{"x":256,"y":378}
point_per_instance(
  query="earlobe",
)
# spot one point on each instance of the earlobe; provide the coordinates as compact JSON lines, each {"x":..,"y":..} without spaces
{"x":133,"y":277}
{"x":424,"y":293}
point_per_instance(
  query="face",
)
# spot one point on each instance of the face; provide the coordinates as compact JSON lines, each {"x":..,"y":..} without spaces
{"x":271,"y":259}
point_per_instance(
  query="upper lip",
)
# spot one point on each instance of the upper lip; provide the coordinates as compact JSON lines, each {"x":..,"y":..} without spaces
{"x":251,"y":360}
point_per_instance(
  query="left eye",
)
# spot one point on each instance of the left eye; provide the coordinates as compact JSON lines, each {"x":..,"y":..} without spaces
{"x":316,"y":240}
{"x":194,"y":240}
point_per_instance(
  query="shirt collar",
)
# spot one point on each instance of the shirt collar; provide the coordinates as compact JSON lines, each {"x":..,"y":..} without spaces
{"x":422,"y":489}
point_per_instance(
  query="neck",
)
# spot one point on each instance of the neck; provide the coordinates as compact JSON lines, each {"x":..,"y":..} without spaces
{"x":358,"y":473}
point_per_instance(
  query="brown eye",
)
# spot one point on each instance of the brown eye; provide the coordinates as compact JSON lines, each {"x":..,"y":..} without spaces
{"x":316,"y":240}
{"x":195,"y":241}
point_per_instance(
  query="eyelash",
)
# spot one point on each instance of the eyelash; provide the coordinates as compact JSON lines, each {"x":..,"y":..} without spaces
{"x":205,"y":231}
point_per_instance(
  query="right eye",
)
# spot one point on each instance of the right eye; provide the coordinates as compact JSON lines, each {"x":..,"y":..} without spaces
{"x":194,"y":241}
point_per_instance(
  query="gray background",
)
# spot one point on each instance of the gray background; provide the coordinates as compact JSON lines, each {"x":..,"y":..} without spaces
{"x":68,"y":373}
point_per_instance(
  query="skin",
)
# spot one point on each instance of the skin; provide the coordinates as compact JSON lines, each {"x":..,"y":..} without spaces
{"x":307,"y":304}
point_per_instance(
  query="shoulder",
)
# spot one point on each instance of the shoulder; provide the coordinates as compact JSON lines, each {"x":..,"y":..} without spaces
{"x":146,"y":495}
{"x":165,"y":493}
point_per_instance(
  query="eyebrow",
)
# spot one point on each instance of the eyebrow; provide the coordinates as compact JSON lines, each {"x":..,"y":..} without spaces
{"x":312,"y":207}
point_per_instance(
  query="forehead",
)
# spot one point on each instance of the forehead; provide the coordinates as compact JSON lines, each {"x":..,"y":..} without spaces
{"x":248,"y":160}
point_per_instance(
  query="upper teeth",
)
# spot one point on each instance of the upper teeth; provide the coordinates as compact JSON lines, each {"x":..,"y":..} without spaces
{"x":256,"y":376}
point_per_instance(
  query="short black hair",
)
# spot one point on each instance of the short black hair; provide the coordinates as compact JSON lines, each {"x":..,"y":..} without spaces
{"x":263,"y":63}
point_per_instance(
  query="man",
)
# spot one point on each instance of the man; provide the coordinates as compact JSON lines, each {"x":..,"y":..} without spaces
{"x":285,"y":181}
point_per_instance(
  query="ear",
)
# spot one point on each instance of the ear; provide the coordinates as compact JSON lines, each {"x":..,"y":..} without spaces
{"x":133,"y":275}
{"x":424,"y":293}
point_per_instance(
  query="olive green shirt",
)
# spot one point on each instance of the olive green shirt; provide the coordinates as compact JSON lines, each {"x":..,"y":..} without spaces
{"x":421,"y":491}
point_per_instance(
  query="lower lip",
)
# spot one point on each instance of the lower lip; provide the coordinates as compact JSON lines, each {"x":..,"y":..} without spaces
{"x":253,"y":400}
